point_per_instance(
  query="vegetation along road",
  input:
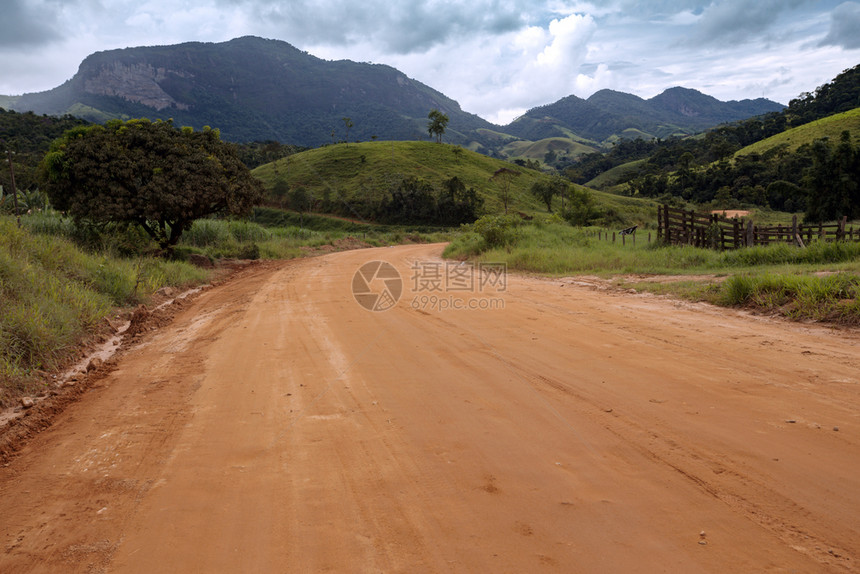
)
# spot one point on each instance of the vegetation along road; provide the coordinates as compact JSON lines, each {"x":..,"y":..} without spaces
{"x":277,"y":425}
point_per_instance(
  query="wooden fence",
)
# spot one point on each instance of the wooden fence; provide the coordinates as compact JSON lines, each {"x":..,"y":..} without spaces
{"x":682,"y":227}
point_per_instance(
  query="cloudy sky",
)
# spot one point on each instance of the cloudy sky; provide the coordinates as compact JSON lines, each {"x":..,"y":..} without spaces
{"x":498,"y":58}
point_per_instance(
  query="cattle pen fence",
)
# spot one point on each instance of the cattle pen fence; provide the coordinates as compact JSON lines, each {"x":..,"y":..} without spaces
{"x":713,"y":230}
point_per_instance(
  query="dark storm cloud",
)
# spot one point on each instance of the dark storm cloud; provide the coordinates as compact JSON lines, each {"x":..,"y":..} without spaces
{"x":740,"y":21}
{"x":844,"y":27}
{"x":401,"y":28}
{"x":23,"y":24}
{"x":497,"y":57}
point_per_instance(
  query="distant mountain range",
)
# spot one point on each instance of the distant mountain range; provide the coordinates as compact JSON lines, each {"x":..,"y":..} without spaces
{"x":608,"y":114}
{"x":254,"y":89}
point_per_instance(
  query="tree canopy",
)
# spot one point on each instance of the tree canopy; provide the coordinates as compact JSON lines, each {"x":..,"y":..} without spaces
{"x":437,"y":124}
{"x":147,"y":173}
{"x":546,"y":189}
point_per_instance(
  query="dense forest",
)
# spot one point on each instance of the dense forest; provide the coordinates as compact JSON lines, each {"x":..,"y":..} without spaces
{"x":28,"y":137}
{"x":819,"y":177}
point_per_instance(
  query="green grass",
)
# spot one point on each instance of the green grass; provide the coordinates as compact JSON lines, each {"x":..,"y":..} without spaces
{"x":366,"y":171}
{"x":53,"y":294}
{"x":610,"y":177}
{"x":830,"y":127}
{"x":538,"y":149}
{"x":559,"y":249}
{"x":833,"y":298}
{"x":818,"y":282}
{"x":350,"y":176}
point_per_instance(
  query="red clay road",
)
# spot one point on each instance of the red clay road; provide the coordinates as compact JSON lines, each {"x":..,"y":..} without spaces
{"x":278,"y":426}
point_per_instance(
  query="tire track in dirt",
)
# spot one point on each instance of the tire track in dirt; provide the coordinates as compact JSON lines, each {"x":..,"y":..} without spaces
{"x":278,"y":425}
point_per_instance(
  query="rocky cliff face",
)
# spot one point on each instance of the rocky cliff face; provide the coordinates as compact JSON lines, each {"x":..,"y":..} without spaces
{"x":138,"y":82}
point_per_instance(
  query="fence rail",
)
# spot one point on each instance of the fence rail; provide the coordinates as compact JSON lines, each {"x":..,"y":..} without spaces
{"x":683,"y":227}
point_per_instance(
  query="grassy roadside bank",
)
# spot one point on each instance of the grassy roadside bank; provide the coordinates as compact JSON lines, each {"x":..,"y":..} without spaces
{"x":820,"y":282}
{"x":58,"y":281}
{"x":53,"y":295}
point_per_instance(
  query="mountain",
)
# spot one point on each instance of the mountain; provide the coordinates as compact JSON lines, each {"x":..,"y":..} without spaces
{"x":608,"y":114}
{"x":251,"y":89}
{"x":254,"y":89}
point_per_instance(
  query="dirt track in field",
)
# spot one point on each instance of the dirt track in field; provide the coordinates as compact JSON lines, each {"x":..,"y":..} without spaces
{"x":277,"y":426}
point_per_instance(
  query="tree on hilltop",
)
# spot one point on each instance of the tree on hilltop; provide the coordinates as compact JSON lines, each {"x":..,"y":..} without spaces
{"x":437,"y":124}
{"x":347,"y":122}
{"x":147,"y":173}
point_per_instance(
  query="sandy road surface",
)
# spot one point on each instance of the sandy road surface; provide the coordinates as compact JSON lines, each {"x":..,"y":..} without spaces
{"x":277,"y":426}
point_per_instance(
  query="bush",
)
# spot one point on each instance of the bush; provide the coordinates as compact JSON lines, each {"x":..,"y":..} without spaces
{"x":582,"y":209}
{"x":497,"y":230}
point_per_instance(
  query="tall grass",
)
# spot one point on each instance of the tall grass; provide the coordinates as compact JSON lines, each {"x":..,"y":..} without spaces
{"x":833,"y":297}
{"x":52,"y":293}
{"x":780,"y":278}
{"x":558,"y":249}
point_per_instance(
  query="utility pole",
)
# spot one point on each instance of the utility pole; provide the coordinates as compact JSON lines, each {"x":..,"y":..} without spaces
{"x":14,"y":191}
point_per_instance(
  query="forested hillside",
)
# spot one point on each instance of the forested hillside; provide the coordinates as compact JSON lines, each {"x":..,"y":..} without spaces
{"x":28,"y":136}
{"x":804,"y":158}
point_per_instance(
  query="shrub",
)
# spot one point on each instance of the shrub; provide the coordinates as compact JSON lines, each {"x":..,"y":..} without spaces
{"x":497,"y":230}
{"x":582,"y":210}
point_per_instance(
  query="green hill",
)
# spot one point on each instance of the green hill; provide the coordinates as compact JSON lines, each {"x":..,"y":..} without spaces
{"x":348,"y":179}
{"x":564,"y":148}
{"x":829,"y":127}
{"x":619,"y":173}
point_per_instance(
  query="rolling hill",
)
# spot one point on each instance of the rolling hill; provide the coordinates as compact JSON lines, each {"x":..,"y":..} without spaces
{"x":347,"y":177}
{"x":344,"y":180}
{"x":829,"y":127}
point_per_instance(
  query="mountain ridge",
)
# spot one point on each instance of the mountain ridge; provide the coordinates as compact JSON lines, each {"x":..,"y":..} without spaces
{"x":253,"y":88}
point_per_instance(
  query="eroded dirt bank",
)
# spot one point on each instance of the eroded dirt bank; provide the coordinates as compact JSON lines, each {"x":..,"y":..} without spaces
{"x":276,"y":425}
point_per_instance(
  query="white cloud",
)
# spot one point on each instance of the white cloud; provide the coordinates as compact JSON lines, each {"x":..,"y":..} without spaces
{"x":496,"y":57}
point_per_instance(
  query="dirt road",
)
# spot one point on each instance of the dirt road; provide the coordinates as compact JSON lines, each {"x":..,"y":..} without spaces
{"x":278,"y":426}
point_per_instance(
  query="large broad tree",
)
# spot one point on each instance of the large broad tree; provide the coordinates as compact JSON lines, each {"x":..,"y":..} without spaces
{"x":148,"y":173}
